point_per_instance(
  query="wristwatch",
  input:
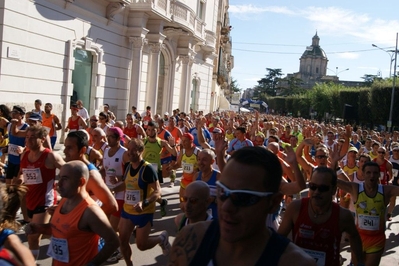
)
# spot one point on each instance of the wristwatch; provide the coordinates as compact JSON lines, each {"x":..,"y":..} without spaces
{"x":145,"y":203}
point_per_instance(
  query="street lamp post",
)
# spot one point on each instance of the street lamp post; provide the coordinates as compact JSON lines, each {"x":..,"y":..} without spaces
{"x":389,"y":124}
{"x":390,"y":53}
{"x":336,"y":71}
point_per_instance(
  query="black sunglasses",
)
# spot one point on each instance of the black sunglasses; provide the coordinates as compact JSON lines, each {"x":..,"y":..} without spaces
{"x":321,"y":188}
{"x":240,"y":198}
{"x":321,"y":156}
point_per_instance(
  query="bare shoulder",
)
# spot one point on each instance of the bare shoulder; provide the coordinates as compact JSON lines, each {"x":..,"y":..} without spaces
{"x":187,"y":243}
{"x":295,"y":254}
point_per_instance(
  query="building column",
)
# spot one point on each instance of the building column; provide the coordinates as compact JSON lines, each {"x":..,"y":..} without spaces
{"x":135,"y":76}
{"x":153,"y":73}
{"x":185,"y":82}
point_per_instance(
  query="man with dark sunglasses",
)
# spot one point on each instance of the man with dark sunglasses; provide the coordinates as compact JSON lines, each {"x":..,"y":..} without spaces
{"x":247,"y":193}
{"x":313,"y":221}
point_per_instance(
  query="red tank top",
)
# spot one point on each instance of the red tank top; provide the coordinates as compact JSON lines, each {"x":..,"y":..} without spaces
{"x":175,"y":134}
{"x":383,"y":172}
{"x":73,"y":124}
{"x":320,"y":241}
{"x":65,"y":232}
{"x":39,"y":180}
{"x":131,"y":132}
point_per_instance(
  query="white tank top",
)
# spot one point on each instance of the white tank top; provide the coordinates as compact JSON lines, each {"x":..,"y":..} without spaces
{"x":114,"y":167}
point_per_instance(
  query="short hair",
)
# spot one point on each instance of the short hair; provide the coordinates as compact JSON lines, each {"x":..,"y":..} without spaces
{"x":139,"y":144}
{"x":326,"y":170}
{"x":371,"y":163}
{"x":152,"y":124}
{"x":262,"y":158}
{"x":81,"y":138}
{"x":364,"y":155}
{"x":39,"y":131}
{"x":276,"y":139}
{"x":100,"y":131}
{"x":242,"y":129}
{"x":38,"y":101}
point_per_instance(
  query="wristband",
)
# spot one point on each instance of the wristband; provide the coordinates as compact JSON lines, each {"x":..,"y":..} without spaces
{"x":145,"y":203}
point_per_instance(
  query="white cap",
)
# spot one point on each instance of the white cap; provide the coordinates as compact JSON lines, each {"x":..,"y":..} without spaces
{"x":166,"y":113}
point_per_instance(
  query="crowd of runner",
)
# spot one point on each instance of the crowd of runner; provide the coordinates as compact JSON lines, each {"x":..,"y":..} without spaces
{"x":109,"y":179}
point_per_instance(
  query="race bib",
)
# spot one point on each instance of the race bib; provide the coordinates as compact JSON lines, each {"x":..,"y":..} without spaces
{"x":318,"y":256}
{"x":155,"y":166}
{"x":132,"y":197}
{"x":13,"y":149}
{"x":395,"y":172}
{"x":58,"y":249}
{"x":145,"y":123}
{"x":32,"y":176}
{"x":367,"y":222}
{"x":188,"y":168}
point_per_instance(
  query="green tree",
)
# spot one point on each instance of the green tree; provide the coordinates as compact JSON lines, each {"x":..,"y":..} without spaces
{"x":293,"y":86}
{"x":269,"y":84}
{"x":234,"y":86}
{"x":369,"y":79}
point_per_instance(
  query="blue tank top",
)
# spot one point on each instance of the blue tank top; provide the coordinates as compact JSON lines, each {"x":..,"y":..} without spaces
{"x":13,"y":142}
{"x":212,"y":186}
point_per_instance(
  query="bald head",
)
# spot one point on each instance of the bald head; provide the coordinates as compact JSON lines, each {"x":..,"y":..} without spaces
{"x":75,"y":169}
{"x":273,"y":146}
{"x":200,"y":189}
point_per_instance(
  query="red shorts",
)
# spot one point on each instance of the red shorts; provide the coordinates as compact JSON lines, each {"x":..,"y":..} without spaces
{"x":373,"y":243}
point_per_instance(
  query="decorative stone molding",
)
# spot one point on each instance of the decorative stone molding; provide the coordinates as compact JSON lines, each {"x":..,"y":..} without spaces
{"x":187,"y":59}
{"x":113,"y":9}
{"x":138,"y":42}
{"x":156,"y":47}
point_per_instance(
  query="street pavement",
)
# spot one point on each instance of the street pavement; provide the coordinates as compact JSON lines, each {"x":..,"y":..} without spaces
{"x":154,"y":256}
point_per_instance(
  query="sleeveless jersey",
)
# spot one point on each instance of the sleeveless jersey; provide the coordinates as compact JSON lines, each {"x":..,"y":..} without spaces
{"x":73,"y":124}
{"x":372,"y":155}
{"x":383,"y":172}
{"x":164,"y":135}
{"x":189,"y":164}
{"x":39,"y":180}
{"x":320,"y":241}
{"x":184,"y":221}
{"x":67,"y":240}
{"x":212,"y":186}
{"x":175,"y":134}
{"x":370,"y":212}
{"x":13,"y":143}
{"x":395,"y":169}
{"x":206,"y":252}
{"x":349,"y":170}
{"x":152,"y":153}
{"x":137,"y":190}
{"x":114,"y":167}
{"x":48,"y":124}
{"x":131,"y":131}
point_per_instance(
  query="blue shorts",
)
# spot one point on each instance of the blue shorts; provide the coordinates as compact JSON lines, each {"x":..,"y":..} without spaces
{"x":139,"y":220}
{"x":166,"y":160}
{"x":53,"y":139}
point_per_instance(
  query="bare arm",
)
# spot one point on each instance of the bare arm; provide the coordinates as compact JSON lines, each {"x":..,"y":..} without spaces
{"x":347,"y":224}
{"x":301,"y":160}
{"x":97,"y":187}
{"x":57,"y":123}
{"x":13,"y":243}
{"x":95,"y":220}
{"x":200,"y":135}
{"x":290,"y":215}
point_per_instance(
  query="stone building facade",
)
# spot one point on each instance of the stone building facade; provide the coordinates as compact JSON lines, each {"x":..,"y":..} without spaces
{"x":167,"y":54}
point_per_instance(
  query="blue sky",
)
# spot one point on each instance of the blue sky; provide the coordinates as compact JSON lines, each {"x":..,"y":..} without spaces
{"x":274,"y":34}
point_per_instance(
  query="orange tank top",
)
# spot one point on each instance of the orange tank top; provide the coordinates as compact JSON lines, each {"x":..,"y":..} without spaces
{"x":48,"y":123}
{"x":66,"y":246}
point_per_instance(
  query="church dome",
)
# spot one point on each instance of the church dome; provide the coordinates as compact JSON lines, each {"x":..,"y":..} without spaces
{"x":314,"y":50}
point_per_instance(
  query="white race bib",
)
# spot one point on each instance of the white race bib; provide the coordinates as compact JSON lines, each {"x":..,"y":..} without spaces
{"x":155,"y":166}
{"x":13,"y":149}
{"x":188,"y":168}
{"x":32,"y":176}
{"x":382,"y":175}
{"x":318,"y":256}
{"x":368,"y":222}
{"x":132,"y":197}
{"x":58,"y":249}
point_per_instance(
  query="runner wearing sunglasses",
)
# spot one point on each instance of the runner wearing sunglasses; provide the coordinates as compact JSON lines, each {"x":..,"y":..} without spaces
{"x":247,"y":193}
{"x":313,"y":221}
